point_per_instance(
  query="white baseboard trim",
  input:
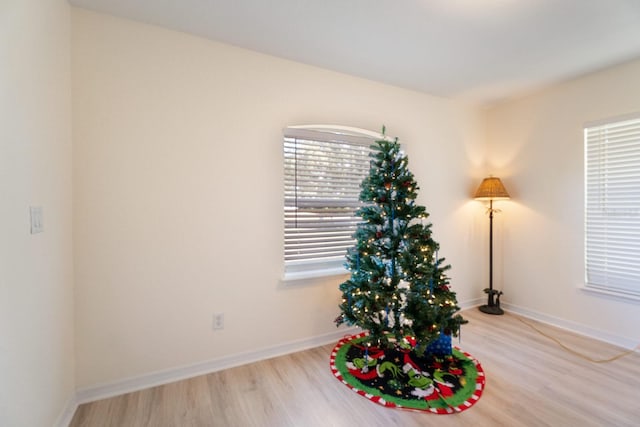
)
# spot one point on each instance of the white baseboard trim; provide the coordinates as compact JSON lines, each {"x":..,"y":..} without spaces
{"x":128,"y":385}
{"x":65,"y":417}
{"x":571,"y":326}
{"x":465,"y":305}
{"x":103,"y":391}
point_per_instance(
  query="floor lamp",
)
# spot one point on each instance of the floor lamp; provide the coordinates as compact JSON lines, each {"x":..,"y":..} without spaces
{"x":491,"y":189}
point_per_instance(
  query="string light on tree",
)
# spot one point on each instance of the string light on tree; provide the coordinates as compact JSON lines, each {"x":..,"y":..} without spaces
{"x":406,"y":290}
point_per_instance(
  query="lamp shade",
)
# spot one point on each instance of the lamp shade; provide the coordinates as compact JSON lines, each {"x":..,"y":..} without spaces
{"x":491,"y":188}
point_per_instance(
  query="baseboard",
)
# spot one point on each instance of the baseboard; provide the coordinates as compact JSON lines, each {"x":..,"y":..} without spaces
{"x":571,"y":326}
{"x":106,"y":390}
{"x":103,"y":391}
{"x":465,"y":305}
{"x":65,"y":417}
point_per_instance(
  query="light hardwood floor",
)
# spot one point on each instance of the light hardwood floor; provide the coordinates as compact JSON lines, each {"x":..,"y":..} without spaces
{"x":531,"y":381}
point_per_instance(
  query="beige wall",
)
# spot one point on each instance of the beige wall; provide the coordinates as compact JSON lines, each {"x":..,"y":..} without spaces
{"x":36,"y":271}
{"x":536,"y":144}
{"x":178,"y":193}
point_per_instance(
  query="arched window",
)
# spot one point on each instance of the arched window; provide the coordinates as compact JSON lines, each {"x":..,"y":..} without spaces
{"x":323,"y":168}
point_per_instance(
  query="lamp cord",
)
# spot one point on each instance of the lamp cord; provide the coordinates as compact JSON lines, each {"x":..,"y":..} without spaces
{"x":576,"y":353}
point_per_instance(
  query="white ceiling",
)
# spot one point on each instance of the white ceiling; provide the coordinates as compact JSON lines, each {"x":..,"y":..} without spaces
{"x":476,"y":50}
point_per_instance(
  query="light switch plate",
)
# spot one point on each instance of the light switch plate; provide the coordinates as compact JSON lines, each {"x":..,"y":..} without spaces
{"x":37,"y":225}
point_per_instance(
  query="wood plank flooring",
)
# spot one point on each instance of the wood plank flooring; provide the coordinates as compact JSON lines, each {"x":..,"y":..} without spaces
{"x":531,"y":381}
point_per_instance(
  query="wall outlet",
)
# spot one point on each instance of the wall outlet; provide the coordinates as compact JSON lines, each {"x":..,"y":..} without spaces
{"x":218,"y":321}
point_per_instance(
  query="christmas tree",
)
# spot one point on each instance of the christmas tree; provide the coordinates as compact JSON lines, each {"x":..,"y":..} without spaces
{"x":398,"y":290}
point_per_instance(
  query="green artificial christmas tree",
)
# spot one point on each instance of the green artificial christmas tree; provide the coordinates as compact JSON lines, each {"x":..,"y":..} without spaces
{"x":398,"y":290}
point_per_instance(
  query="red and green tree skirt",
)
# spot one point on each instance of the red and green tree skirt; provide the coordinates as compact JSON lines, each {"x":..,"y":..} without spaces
{"x":399,"y":378}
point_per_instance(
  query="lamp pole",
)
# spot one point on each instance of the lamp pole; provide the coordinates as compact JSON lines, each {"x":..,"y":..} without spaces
{"x":490,"y":252}
{"x":490,"y":189}
{"x":492,"y":307}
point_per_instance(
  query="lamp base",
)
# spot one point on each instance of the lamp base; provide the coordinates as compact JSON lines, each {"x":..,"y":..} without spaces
{"x":491,"y":309}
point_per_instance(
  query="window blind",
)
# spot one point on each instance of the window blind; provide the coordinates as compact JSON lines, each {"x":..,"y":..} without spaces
{"x":612,"y":210}
{"x":322,"y":175}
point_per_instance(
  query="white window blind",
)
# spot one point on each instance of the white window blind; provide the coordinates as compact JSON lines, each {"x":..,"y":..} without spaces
{"x":612,"y":211}
{"x":323,"y":169}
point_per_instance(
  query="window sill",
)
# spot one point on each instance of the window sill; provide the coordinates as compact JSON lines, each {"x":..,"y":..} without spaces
{"x":620,"y":296}
{"x":306,"y":276}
